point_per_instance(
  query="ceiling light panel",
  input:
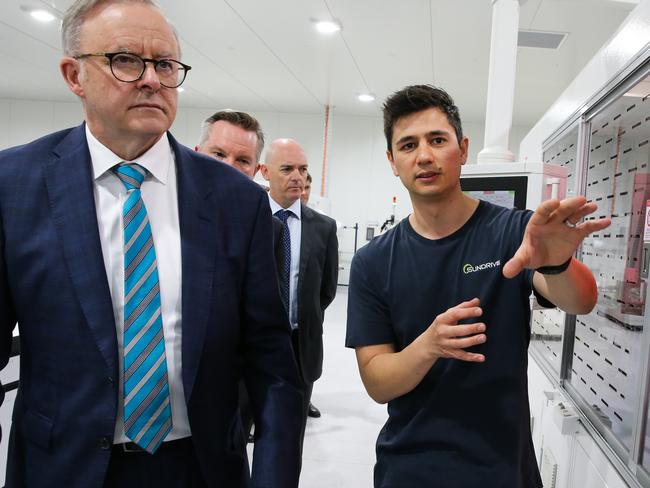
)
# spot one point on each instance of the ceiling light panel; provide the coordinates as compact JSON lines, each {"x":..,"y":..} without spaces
{"x":366,"y":97}
{"x":327,"y":26}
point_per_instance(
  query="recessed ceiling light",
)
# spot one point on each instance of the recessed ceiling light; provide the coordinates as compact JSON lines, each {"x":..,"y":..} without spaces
{"x":327,"y":26}
{"x":42,"y":15}
{"x":365,"y":97}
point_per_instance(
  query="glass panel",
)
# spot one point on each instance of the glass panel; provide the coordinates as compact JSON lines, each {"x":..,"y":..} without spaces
{"x":608,"y":342}
{"x":547,"y":336}
{"x":640,"y":94}
{"x":547,"y":325}
{"x":564,"y":154}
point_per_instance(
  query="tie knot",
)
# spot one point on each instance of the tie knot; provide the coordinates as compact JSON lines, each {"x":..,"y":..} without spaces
{"x":283,"y":215}
{"x":131,"y":174}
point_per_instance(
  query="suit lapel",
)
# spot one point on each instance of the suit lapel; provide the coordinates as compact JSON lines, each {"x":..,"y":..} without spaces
{"x":69,"y":182}
{"x":198,"y":249}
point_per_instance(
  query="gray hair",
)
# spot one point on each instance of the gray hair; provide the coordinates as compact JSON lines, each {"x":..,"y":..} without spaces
{"x":75,"y":16}
{"x":234,"y":117}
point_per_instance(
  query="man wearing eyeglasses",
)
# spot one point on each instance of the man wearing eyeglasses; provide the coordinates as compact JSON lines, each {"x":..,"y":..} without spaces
{"x":141,"y":293}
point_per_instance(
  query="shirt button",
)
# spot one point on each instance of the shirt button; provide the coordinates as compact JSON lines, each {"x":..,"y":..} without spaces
{"x":105,"y":443}
{"x":109,"y":379}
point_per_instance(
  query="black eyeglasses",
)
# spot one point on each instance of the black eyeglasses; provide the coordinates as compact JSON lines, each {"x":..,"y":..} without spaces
{"x":128,"y":67}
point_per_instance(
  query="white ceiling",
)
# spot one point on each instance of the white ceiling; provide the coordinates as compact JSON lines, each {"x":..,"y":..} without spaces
{"x":266,"y":55}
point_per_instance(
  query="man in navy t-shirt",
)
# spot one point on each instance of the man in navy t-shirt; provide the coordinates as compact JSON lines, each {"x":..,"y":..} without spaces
{"x":439,"y":309}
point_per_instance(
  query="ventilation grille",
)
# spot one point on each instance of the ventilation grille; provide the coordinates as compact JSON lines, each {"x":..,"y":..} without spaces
{"x":540,"y":39}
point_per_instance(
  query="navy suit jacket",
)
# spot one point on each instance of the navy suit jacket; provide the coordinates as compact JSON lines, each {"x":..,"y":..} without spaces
{"x":53,"y":284}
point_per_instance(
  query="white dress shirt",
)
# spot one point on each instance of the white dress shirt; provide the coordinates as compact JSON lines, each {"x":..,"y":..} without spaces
{"x":160,"y":197}
{"x":295,"y":233}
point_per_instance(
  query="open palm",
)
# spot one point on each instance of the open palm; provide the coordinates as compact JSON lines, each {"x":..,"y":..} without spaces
{"x":553,"y":234}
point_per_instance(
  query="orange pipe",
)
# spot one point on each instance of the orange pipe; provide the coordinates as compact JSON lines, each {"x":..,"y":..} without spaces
{"x":324,"y":171}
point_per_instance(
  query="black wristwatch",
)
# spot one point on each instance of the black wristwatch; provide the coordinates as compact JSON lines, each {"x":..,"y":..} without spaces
{"x":554,"y":270}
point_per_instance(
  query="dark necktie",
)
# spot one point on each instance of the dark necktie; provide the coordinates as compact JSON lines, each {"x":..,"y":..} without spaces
{"x":285,"y":272}
{"x":147,"y":410}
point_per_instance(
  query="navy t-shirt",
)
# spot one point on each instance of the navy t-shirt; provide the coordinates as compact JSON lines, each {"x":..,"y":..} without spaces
{"x":466,"y":425}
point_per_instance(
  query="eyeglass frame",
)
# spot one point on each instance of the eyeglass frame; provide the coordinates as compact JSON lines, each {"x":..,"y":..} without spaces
{"x":155,"y":62}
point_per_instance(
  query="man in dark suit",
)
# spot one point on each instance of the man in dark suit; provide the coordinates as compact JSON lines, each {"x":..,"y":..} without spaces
{"x":236,"y":138}
{"x":137,"y":270}
{"x":312,"y":411}
{"x":306,"y":191}
{"x":309,"y":275}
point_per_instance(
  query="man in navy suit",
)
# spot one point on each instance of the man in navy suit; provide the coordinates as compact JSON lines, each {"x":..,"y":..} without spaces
{"x":137,"y":271}
{"x":236,"y":138}
{"x":233,"y":137}
{"x":309,"y":274}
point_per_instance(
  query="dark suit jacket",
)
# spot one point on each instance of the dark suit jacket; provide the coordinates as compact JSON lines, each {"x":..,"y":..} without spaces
{"x":53,"y":283}
{"x":317,"y":278}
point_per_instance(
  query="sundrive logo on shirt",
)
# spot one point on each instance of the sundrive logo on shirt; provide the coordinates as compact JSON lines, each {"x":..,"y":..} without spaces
{"x":468,"y":268}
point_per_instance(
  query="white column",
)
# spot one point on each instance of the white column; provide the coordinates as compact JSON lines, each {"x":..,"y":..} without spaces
{"x":501,"y":82}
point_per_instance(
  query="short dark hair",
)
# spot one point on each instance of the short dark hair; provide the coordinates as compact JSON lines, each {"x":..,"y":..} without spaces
{"x":416,"y":98}
{"x":308,"y":178}
{"x":234,"y":117}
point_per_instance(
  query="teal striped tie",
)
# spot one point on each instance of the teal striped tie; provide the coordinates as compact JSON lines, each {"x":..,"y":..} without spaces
{"x":147,"y":411}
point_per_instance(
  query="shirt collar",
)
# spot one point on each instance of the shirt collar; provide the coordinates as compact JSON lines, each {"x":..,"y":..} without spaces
{"x":294,"y":208}
{"x":156,"y":160}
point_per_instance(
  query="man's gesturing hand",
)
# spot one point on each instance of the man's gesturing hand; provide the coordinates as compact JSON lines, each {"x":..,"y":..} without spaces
{"x":445,"y":338}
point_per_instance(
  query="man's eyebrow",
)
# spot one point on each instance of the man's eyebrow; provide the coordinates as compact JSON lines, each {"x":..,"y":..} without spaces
{"x":158,"y":55}
{"x":439,"y":132}
{"x":433,"y":133}
{"x":405,"y":139}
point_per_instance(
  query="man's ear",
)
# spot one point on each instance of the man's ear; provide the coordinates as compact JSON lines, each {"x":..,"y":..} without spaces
{"x":464,"y":150}
{"x":264,"y":169}
{"x":71,"y":71}
{"x":389,"y":155}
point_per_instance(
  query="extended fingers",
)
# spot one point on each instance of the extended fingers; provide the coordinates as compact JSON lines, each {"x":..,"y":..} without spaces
{"x":474,"y":302}
{"x":544,"y":211}
{"x":594,"y":225}
{"x":574,"y":208}
{"x":452,"y":338}
{"x":456,"y":338}
{"x":463,"y":330}
{"x":469,"y":356}
{"x":461,"y":336}
{"x":465,"y":310}
{"x":580,"y":213}
{"x":465,"y":342}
